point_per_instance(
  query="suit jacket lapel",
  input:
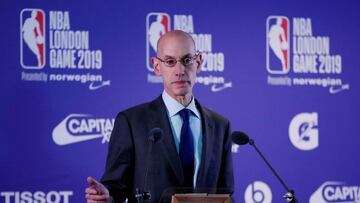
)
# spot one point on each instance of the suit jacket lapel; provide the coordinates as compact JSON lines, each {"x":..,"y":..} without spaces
{"x":160,"y":119}
{"x":207,"y":136}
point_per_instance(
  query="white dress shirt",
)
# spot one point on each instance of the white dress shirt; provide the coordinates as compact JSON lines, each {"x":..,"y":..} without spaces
{"x":173,"y":107}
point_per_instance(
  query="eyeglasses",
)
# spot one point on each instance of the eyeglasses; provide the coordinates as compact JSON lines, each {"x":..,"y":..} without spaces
{"x":186,"y":61}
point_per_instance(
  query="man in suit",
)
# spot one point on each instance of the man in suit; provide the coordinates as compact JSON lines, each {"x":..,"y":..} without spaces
{"x":195,"y":149}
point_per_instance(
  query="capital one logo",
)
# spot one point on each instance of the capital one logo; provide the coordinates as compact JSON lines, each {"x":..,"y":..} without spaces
{"x":82,"y":127}
{"x":303,"y":131}
{"x":32,"y":38}
{"x":258,"y":192}
{"x":336,"y":192}
{"x":277,"y":45}
{"x":157,"y":24}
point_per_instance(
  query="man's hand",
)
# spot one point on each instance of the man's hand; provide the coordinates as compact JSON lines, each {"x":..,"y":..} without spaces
{"x":96,"y":192}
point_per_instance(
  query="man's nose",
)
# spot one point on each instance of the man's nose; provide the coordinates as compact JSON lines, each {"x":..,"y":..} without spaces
{"x":179,"y":69}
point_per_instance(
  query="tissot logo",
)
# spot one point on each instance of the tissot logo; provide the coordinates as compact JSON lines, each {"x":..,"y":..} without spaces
{"x":303,"y":131}
{"x":82,"y":127}
{"x":35,"y":197}
{"x":336,"y":192}
{"x":32,"y":38}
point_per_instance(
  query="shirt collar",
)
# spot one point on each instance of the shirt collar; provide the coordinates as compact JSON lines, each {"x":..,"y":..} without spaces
{"x":174,"y":106}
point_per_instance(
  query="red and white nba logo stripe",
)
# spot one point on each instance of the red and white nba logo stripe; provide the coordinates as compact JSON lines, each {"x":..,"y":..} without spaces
{"x":32,"y":38}
{"x":157,"y":24}
{"x":277,"y":45}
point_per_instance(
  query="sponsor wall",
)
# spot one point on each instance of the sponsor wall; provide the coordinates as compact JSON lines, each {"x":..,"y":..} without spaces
{"x":286,"y":73}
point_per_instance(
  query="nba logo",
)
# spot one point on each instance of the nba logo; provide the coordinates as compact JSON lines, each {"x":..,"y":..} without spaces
{"x":277,"y":45}
{"x":157,"y":24}
{"x":32,"y":38}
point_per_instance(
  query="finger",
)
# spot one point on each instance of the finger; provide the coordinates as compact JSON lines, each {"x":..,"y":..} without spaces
{"x":91,"y":190}
{"x":92,"y":181}
{"x":96,"y":197}
{"x":92,"y":201}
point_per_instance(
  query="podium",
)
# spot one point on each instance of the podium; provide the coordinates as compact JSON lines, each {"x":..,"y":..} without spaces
{"x":198,"y":197}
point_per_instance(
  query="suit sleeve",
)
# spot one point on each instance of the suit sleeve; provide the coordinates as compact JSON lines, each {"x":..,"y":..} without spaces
{"x":226,"y":178}
{"x":118,"y":176}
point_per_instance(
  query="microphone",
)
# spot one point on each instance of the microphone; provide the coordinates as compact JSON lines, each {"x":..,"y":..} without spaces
{"x":155,"y":135}
{"x":241,"y":138}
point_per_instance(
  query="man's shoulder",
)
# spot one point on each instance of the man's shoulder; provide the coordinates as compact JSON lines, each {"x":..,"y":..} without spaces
{"x":212,"y":114}
{"x":215,"y":115}
{"x":142,"y":109}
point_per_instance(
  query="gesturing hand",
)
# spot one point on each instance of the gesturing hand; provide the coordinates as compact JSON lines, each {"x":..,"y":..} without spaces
{"x":96,"y":192}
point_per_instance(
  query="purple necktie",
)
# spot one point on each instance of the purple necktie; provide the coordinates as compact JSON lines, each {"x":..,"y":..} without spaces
{"x":186,"y":149}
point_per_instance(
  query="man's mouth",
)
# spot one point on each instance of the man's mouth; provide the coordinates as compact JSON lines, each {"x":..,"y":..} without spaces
{"x":180,"y":82}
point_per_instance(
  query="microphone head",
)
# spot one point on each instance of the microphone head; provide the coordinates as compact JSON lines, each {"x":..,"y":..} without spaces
{"x":239,"y":138}
{"x":155,"y":135}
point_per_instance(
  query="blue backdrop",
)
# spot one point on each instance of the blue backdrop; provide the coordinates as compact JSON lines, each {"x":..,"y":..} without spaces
{"x":284,"y":72}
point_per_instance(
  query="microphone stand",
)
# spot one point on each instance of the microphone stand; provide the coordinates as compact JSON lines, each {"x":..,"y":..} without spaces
{"x":155,"y":135}
{"x":290,"y":195}
{"x":141,"y":196}
{"x":145,"y":194}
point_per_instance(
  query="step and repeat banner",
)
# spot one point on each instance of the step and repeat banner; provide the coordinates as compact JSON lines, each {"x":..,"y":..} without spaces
{"x":284,"y":72}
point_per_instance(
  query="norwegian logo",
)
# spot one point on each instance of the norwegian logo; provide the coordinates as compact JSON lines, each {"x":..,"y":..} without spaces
{"x":258,"y":192}
{"x":82,"y":127}
{"x":277,"y":45}
{"x":310,"y":63}
{"x":157,"y":24}
{"x":303,"y":131}
{"x":336,"y":192}
{"x":64,"y":51}
{"x":32,"y":38}
{"x":213,"y":62}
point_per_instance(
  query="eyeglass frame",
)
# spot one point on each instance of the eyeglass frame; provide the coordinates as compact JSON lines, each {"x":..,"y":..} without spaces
{"x":179,"y":60}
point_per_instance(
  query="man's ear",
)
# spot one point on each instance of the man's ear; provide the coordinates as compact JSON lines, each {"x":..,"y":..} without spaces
{"x":156,"y":67}
{"x":198,"y":63}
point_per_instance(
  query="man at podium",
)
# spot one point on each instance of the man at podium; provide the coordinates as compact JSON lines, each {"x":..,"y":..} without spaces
{"x":172,"y":143}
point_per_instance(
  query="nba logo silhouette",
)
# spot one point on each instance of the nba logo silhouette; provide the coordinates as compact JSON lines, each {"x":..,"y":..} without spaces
{"x":32,"y":38}
{"x":157,"y":24}
{"x":277,"y":45}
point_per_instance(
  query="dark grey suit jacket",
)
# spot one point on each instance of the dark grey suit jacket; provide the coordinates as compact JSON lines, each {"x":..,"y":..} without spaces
{"x":128,"y":149}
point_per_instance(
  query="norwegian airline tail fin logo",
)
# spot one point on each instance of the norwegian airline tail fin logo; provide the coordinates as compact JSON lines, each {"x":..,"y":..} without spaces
{"x":32,"y":38}
{"x":277,"y":45}
{"x":157,"y":24}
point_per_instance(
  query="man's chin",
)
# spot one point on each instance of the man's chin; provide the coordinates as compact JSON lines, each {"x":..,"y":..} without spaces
{"x":182,"y":93}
